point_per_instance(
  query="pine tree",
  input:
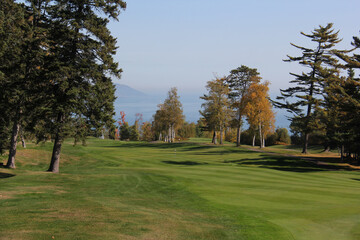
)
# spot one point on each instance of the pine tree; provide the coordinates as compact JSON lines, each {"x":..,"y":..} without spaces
{"x":22,"y":48}
{"x":239,"y":82}
{"x":310,"y":86}
{"x":348,"y":93}
{"x":79,"y":63}
{"x":125,"y":131}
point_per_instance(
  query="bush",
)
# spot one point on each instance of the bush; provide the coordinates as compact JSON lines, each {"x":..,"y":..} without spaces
{"x":134,"y":133}
{"x":125,"y":131}
{"x":230,"y":135}
{"x":147,"y":132}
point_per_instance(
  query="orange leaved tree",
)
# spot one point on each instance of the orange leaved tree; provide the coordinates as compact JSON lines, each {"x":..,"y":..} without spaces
{"x":258,"y":110}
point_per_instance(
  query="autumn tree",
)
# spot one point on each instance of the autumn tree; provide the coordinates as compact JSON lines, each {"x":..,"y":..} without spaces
{"x":216,"y":107}
{"x":305,"y":98}
{"x":239,"y":82}
{"x":147,"y":133}
{"x":258,"y":110}
{"x":121,"y":121}
{"x":187,"y":130}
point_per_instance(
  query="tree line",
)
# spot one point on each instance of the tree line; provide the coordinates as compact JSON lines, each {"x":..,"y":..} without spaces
{"x":168,"y":123}
{"x":229,"y":102}
{"x":56,"y":60}
{"x":324,"y":100}
{"x":235,"y":98}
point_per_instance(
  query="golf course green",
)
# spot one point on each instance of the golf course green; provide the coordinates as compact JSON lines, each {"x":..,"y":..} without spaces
{"x":190,"y":190}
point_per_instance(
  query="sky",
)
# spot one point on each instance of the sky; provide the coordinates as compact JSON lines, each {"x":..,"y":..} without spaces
{"x":185,"y":43}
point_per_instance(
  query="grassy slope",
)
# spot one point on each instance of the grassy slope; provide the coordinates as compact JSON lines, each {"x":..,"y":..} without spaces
{"x":113,"y":190}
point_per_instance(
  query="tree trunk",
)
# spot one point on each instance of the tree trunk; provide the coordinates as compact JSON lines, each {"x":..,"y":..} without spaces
{"x":238,"y":136}
{"x":214,"y":138}
{"x":305,"y":146}
{"x":221,"y":135}
{"x":253,"y":142}
{"x":55,"y":158}
{"x":342,"y":153}
{"x":260,"y":135}
{"x":169,"y":134}
{"x":160,"y":136}
{"x":263,"y":141}
{"x":173,"y":133}
{"x":327,"y":149}
{"x":22,"y":138}
{"x":12,"y":151}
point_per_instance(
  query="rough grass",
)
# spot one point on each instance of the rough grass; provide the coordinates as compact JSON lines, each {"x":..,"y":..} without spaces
{"x":192,"y":190}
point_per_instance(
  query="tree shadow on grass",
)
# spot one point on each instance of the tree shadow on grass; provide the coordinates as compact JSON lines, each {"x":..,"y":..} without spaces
{"x":196,"y":146}
{"x":223,"y":151}
{"x":182,"y":146}
{"x":6,"y":175}
{"x":149,"y":145}
{"x":187,"y":163}
{"x":291,"y":164}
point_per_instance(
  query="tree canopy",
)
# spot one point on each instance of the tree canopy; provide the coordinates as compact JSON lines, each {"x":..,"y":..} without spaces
{"x":216,"y":107}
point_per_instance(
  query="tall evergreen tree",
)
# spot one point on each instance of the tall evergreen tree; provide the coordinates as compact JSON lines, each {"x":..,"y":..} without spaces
{"x":348,"y":92}
{"x":23,"y":45}
{"x":79,"y":63}
{"x":310,"y":86}
{"x":239,"y":82}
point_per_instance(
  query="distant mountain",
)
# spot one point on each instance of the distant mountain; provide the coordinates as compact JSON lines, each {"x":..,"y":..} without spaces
{"x":124,"y":91}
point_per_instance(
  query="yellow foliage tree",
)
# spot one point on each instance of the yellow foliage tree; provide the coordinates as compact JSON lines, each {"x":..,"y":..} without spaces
{"x":258,"y":110}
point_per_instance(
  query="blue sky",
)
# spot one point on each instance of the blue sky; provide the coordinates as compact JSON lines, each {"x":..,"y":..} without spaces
{"x":180,"y":43}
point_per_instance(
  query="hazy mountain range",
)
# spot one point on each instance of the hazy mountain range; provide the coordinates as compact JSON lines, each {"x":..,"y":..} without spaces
{"x":133,"y":101}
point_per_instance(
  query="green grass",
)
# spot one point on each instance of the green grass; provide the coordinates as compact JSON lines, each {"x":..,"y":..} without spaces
{"x":317,"y":149}
{"x":133,"y":190}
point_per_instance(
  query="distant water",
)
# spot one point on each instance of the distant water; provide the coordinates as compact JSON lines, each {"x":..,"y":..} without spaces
{"x":147,"y":106}
{"x":132,"y":102}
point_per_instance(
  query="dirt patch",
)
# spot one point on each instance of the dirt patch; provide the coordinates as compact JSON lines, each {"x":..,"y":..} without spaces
{"x":5,"y":196}
{"x":19,"y":234}
{"x":36,"y":157}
